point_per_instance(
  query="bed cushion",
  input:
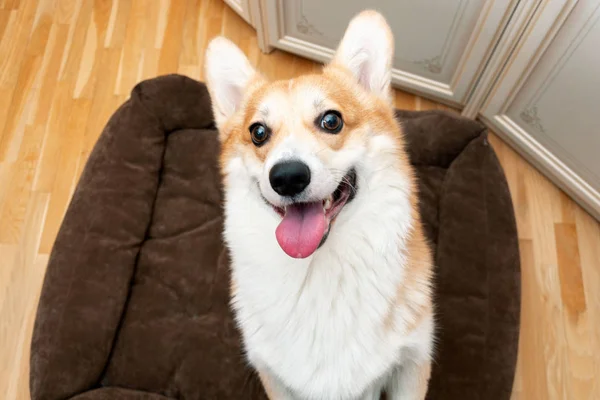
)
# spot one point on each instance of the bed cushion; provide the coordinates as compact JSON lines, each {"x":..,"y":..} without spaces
{"x":135,"y":299}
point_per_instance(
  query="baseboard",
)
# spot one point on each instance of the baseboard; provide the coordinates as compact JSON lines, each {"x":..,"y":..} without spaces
{"x":559,"y":173}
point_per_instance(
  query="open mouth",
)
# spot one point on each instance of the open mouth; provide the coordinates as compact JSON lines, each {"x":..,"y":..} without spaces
{"x":305,"y":226}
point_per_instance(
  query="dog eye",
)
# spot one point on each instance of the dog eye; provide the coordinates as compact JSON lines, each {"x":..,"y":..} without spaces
{"x":331,"y":122}
{"x":259,"y":133}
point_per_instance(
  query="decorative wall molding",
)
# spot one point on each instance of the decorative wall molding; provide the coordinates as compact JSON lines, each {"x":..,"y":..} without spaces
{"x":433,"y":65}
{"x":531,"y":118}
{"x":303,"y":25}
{"x":436,"y":63}
{"x":306,"y":27}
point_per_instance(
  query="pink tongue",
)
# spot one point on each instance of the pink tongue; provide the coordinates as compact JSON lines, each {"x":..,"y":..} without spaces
{"x":302,"y":229}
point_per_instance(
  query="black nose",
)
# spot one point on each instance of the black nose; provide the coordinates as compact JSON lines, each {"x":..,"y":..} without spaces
{"x":289,"y":178}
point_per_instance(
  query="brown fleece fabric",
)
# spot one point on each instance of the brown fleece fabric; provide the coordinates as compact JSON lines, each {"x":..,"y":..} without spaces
{"x":135,"y":300}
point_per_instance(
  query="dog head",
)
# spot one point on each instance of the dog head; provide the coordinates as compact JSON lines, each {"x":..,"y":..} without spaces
{"x":302,"y":145}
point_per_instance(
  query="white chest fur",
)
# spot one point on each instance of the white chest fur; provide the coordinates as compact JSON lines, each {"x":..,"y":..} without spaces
{"x":319,"y":323}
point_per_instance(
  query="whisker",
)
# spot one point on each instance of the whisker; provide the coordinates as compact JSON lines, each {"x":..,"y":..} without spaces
{"x":347,"y":182}
{"x":322,"y":149}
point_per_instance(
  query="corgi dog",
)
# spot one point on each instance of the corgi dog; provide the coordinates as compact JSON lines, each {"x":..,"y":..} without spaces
{"x":331,"y":272}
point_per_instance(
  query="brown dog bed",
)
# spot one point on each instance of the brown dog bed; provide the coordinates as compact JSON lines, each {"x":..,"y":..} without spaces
{"x":135,"y":299}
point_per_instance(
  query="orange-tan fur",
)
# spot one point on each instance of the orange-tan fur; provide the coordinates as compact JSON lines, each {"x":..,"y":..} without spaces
{"x":409,"y":312}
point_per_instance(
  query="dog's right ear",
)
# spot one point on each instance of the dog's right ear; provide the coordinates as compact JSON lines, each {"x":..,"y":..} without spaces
{"x":228,"y":74}
{"x":367,"y":51}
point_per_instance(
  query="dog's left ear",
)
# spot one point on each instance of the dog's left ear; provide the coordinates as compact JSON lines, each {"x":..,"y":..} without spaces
{"x":366,"y":50}
{"x":228,"y":75}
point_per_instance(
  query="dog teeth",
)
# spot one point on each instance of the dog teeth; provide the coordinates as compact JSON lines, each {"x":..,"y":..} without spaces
{"x":327,"y":204}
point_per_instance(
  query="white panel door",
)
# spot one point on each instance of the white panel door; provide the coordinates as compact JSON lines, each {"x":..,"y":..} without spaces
{"x":547,"y":100}
{"x":441,"y":46}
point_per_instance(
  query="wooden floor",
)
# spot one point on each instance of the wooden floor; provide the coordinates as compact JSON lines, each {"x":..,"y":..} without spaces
{"x":66,"y":65}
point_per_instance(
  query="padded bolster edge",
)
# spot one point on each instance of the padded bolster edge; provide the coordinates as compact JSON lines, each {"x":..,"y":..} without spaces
{"x":118,"y":393}
{"x":437,"y":137}
{"x":478,"y":272}
{"x":87,"y":281}
{"x":177,"y":101}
